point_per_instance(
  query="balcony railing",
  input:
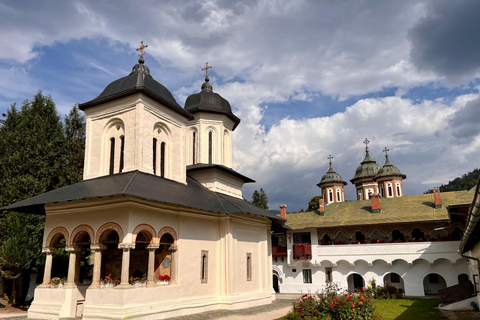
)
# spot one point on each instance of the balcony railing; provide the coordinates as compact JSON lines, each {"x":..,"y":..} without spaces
{"x":279,"y":252}
{"x":302,"y":251}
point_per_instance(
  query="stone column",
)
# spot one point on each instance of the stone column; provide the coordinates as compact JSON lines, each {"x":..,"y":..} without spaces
{"x":73,"y":266}
{"x":173,"y":266}
{"x":97,"y":265}
{"x":48,"y":265}
{"x":126,"y":247}
{"x":151,"y":265}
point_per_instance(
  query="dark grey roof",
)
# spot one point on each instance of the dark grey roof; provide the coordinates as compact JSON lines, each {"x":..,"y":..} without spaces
{"x":367,"y":169}
{"x":139,"y":80}
{"x":331,"y":177}
{"x":389,"y":170}
{"x":144,"y":186}
{"x":202,"y":166}
{"x":208,"y":101}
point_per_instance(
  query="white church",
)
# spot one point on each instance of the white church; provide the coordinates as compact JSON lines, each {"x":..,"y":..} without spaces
{"x":409,"y":241}
{"x":159,"y":198}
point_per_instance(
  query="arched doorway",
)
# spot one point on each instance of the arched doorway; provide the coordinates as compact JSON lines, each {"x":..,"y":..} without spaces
{"x":163,"y":256}
{"x":355,"y":282}
{"x":111,"y":256}
{"x":394,"y":279}
{"x":276,"y":286}
{"x":432,"y":283}
{"x":463,"y":278}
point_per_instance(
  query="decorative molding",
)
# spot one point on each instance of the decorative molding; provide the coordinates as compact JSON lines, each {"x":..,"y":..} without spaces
{"x":161,"y":115}
{"x":54,"y":235}
{"x":98,"y":247}
{"x":79,"y":230}
{"x":109,"y":226}
{"x":170,"y":231}
{"x":126,"y":246}
{"x":148,"y":228}
{"x":114,"y":112}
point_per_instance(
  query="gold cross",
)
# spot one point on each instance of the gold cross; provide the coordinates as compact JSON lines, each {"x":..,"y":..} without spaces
{"x":206,"y":69}
{"x":142,"y":49}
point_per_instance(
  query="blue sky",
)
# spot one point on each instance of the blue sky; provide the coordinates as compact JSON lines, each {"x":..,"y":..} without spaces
{"x":307,"y":78}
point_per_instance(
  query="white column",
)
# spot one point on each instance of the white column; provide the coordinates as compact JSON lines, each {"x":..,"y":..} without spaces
{"x":73,"y":266}
{"x":151,"y":265}
{"x":47,"y":275}
{"x":126,"y":247}
{"x":97,"y":265}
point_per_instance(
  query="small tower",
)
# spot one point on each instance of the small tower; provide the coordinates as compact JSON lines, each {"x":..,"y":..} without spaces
{"x":364,"y":176}
{"x":389,"y":179}
{"x":209,"y":135}
{"x":332,"y":185}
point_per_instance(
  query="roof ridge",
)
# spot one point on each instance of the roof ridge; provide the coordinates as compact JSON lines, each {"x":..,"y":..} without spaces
{"x":130,"y":182}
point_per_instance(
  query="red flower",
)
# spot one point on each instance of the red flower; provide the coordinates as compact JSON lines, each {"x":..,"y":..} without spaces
{"x":314,"y":311}
{"x":331,"y":305}
{"x":353,"y":305}
{"x":362,"y":299}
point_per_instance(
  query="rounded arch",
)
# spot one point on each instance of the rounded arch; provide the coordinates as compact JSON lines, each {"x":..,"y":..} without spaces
{"x":394,"y":279}
{"x":212,"y":135}
{"x":359,"y":235}
{"x":160,"y":127}
{"x":169,"y":230}
{"x":193,"y":149}
{"x":113,"y":144}
{"x":79,"y":232}
{"x":109,"y":226}
{"x":278,"y":271}
{"x":355,"y":281}
{"x":418,"y":233}
{"x":146,"y":228}
{"x":227,"y":148}
{"x":55,"y":236}
{"x":433,"y":282}
{"x":162,"y":150}
{"x":438,"y":261}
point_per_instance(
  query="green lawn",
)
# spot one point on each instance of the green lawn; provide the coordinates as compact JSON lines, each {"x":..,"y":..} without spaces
{"x":409,"y":308}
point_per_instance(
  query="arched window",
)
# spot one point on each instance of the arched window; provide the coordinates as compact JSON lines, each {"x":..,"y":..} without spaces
{"x":359,"y":195}
{"x":382,"y":191}
{"x":122,"y":150}
{"x":154,"y":155}
{"x":418,"y":234}
{"x":399,"y":190}
{"x":210,"y":147}
{"x":249,"y":266}
{"x":162,"y":159}
{"x":330,"y":195}
{"x":397,"y":235}
{"x":389,"y":190}
{"x":339,"y":196}
{"x":194,"y":138}
{"x":112,"y":155}
{"x":204,"y":267}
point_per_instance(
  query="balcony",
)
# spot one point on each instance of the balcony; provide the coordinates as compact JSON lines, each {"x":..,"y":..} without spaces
{"x":302,"y":251}
{"x":279,"y":252}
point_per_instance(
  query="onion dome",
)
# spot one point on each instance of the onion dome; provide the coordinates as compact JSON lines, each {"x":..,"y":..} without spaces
{"x":209,"y":101}
{"x":389,"y":170}
{"x":368,"y":167}
{"x":331,"y":177}
{"x":138,"y":81}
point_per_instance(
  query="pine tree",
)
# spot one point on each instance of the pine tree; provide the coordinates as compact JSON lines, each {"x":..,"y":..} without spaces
{"x":260,"y":199}
{"x":313,"y":203}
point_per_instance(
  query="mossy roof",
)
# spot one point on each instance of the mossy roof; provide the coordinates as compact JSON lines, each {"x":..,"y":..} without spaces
{"x":405,"y":209}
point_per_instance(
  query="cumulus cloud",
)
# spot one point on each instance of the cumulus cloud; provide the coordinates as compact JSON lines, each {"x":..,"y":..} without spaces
{"x":445,"y":41}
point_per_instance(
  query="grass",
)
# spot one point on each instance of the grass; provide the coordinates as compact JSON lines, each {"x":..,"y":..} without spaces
{"x":408,"y":309}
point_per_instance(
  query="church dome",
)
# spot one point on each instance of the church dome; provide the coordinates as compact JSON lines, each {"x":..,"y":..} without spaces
{"x":208,"y":101}
{"x":367,"y":169}
{"x":331,"y":177}
{"x":389,"y":170}
{"x":139,"y":80}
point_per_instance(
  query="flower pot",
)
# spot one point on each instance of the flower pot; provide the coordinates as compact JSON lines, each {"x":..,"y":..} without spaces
{"x":162,"y":283}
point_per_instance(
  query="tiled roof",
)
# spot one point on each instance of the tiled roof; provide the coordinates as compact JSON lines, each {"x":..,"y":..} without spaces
{"x":143,"y":186}
{"x":394,"y":210}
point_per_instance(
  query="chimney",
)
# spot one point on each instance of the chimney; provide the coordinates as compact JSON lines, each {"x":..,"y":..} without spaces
{"x":376,"y":206}
{"x":283,"y":211}
{"x":436,"y":198}
{"x":321,"y":207}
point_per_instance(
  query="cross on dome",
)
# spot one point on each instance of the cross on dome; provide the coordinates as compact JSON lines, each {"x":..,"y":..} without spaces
{"x":142,"y":49}
{"x":206,"y":69}
{"x":386,"y":151}
{"x":330,"y":158}
{"x":366,"y":142}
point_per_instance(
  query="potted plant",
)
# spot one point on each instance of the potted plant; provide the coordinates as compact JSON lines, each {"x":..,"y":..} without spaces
{"x":163,"y":280}
{"x":57,"y":282}
{"x":109,"y":282}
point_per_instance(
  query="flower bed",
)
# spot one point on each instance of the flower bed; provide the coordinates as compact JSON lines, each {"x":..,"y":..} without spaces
{"x":138,"y":282}
{"x":108,"y":282}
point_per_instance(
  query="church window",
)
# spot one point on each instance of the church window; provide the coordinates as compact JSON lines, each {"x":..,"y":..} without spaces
{"x":154,"y":155}
{"x":399,"y":193}
{"x":330,"y":195}
{"x":359,"y":195}
{"x":328,"y":275}
{"x":397,"y":235}
{"x":162,"y":159}
{"x":382,"y":191}
{"x":194,"y":137}
{"x":307,"y":275}
{"x":418,"y":234}
{"x":112,"y":155}
{"x":210,"y":147}
{"x":359,"y":236}
{"x":249,"y":266}
{"x":122,"y":149}
{"x":389,"y":190}
{"x":339,"y":197}
{"x":204,"y":267}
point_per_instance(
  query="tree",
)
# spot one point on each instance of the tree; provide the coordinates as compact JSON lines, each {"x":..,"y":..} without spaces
{"x":465,"y":182}
{"x":313,"y":203}
{"x":260,"y":199}
{"x":37,"y":154}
